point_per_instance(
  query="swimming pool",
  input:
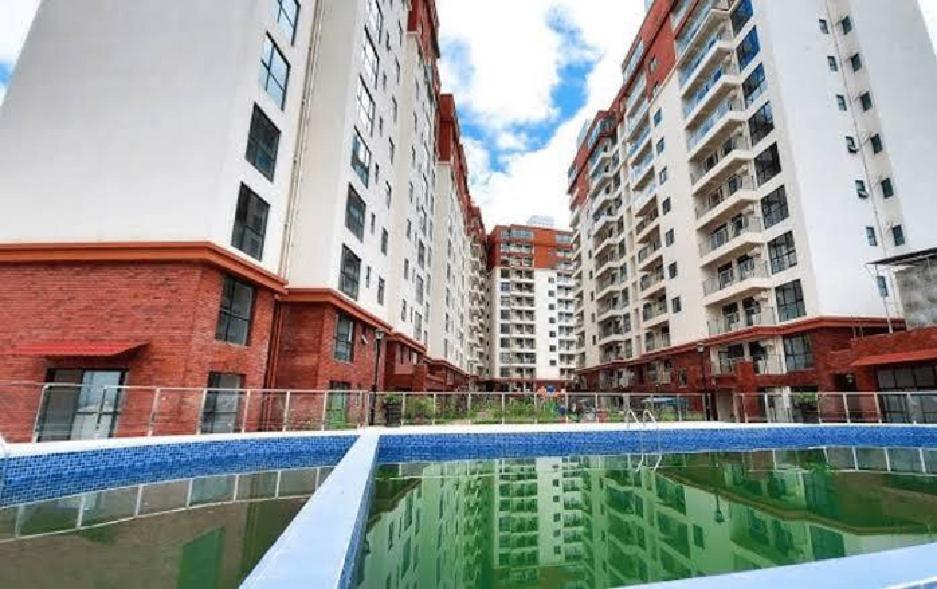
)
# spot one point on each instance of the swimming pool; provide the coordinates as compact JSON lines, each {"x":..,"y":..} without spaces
{"x":537,"y":506}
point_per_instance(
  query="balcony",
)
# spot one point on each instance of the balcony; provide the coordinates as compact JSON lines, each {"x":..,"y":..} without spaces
{"x":643,"y":197}
{"x":649,"y":253}
{"x":646,"y":223}
{"x":734,"y":322}
{"x":710,"y":14}
{"x":649,"y":281}
{"x":639,"y":115}
{"x":616,"y":307}
{"x":655,"y":342}
{"x":742,"y":280}
{"x":614,"y":332}
{"x":723,"y":78}
{"x":653,"y":311}
{"x":724,"y":120}
{"x":733,"y":196}
{"x":640,"y":142}
{"x":606,"y":262}
{"x":722,"y":164}
{"x":611,"y":286}
{"x":728,"y":239}
{"x":716,"y":45}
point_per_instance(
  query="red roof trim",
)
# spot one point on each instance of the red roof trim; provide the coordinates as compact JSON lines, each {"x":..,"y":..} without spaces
{"x":77,"y":349}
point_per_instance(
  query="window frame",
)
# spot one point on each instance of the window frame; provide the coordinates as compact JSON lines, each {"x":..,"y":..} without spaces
{"x":355,"y":213}
{"x":245,"y":226}
{"x":229,"y":316}
{"x":271,"y":51}
{"x":349,"y":278}
{"x":259,"y":146}
{"x":792,"y":306}
{"x":343,"y":339}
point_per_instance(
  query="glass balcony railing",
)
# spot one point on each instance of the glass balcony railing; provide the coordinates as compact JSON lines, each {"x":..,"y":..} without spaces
{"x":739,"y":142}
{"x":653,"y":311}
{"x":650,"y":280}
{"x":722,"y":34}
{"x":724,"y":193}
{"x":749,"y":318}
{"x":703,"y":130}
{"x":657,"y":342}
{"x":725,"y":69}
{"x":639,"y":141}
{"x":743,"y":272}
{"x":640,"y":168}
{"x":730,"y":232}
{"x":702,"y":15}
{"x":649,"y":250}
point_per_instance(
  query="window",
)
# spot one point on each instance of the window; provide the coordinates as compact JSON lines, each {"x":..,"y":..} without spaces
{"x":380,"y":291}
{"x":790,"y":298}
{"x":841,"y":102}
{"x":761,"y":123}
{"x":846,"y":23}
{"x":824,"y":27}
{"x":665,"y":205}
{"x":870,"y":236}
{"x":741,"y":15}
{"x":365,"y":108}
{"x":658,"y":117}
{"x":851,"y":146}
{"x":861,"y":190}
{"x":385,"y":237}
{"x":748,"y":48}
{"x":798,"y":354}
{"x":662,"y":176}
{"x":287,"y":15}
{"x":274,"y":72}
{"x":360,"y":158}
{"x":250,"y":223}
{"x":350,"y":273}
{"x":660,"y":146}
{"x":782,"y":252}
{"x":672,"y":270}
{"x":856,"y":62}
{"x":767,"y":164}
{"x":754,"y":85}
{"x":888,"y":190}
{"x":669,"y":238}
{"x":882,"y":283}
{"x":354,"y":214}
{"x":222,"y":401}
{"x":865,"y":99}
{"x":370,"y":63}
{"x":234,"y":315}
{"x":831,"y":61}
{"x":897,"y":235}
{"x":876,"y":142}
{"x":262,"y":143}
{"x":344,"y":348}
{"x":676,"y":305}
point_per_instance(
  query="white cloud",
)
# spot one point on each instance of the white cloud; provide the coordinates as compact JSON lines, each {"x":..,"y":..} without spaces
{"x":16,"y":16}
{"x":513,"y":64}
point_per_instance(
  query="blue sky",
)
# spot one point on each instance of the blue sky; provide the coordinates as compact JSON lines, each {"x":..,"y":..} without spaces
{"x":524,"y":82}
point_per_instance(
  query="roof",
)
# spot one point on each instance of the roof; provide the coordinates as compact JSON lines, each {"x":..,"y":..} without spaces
{"x":897,"y":358}
{"x":77,"y":349}
{"x":910,"y":258}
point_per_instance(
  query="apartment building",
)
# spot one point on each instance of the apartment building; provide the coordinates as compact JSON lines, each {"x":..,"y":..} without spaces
{"x":532,"y":304}
{"x":285,"y":206}
{"x":727,"y":205}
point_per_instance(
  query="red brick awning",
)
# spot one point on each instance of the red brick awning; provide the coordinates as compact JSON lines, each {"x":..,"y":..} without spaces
{"x":77,"y":349}
{"x":897,"y":358}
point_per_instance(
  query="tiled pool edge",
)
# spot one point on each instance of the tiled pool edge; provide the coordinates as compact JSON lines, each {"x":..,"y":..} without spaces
{"x":320,"y":546}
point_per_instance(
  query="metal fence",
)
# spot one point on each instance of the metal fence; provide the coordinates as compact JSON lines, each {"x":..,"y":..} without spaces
{"x":40,"y":412}
{"x":918,"y":407}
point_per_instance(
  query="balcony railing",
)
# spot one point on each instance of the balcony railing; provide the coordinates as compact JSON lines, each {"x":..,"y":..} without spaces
{"x":732,"y":231}
{"x":741,"y":273}
{"x":639,"y":141}
{"x":690,"y":31}
{"x":730,"y":105}
{"x":739,"y":142}
{"x":659,"y":342}
{"x":650,"y":280}
{"x":722,"y":34}
{"x":723,"y":193}
{"x":649,"y":250}
{"x":733,"y":322}
{"x":653,"y":311}
{"x":640,"y":168}
{"x":726,"y":69}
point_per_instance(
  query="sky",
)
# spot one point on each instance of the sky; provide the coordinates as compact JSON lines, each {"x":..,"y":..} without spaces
{"x":525,"y":81}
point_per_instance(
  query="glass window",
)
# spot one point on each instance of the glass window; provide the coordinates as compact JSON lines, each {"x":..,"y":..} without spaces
{"x":380,"y":291}
{"x":754,"y":85}
{"x":665,"y":206}
{"x":365,"y":108}
{"x":748,"y":48}
{"x":876,"y":142}
{"x":767,"y":164}
{"x":274,"y":72}
{"x":676,"y":305}
{"x":658,"y":117}
{"x":897,"y":234}
{"x":385,"y":237}
{"x":286,"y":13}
{"x":870,"y":236}
{"x":344,"y":348}
{"x":370,"y":63}
{"x":350,"y":273}
{"x":847,"y":25}
{"x":250,"y":223}
{"x":672,"y":270}
{"x":798,"y":353}
{"x":851,"y":146}
{"x":865,"y":99}
{"x":355,"y":213}
{"x":824,"y":27}
{"x":861,"y":190}
{"x":831,"y":61}
{"x":856,"y":62}
{"x":790,"y":298}
{"x":360,"y":158}
{"x":741,"y":15}
{"x":761,"y":123}
{"x":882,"y":283}
{"x":841,"y":102}
{"x":888,"y":190}
{"x":662,"y":176}
{"x":669,"y":238}
{"x":262,"y":143}
{"x":782,"y":252}
{"x":234,"y":314}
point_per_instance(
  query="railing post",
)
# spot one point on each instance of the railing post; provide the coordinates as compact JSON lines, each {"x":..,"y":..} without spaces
{"x":566,"y":407}
{"x":325,"y":410}
{"x":767,"y":419}
{"x":468,"y":411}
{"x":595,"y":407}
{"x":502,"y":407}
{"x":247,"y":408}
{"x":878,"y":408}
{"x":403,"y":409}
{"x":434,"y":409}
{"x":39,"y":410}
{"x":154,"y":408}
{"x":846,"y":408}
{"x":97,"y":424}
{"x":286,"y":411}
{"x":201,"y":412}
{"x":911,"y":415}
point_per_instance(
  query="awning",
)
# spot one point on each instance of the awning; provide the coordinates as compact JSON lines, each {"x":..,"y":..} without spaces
{"x":76,"y":349}
{"x":897,"y":358}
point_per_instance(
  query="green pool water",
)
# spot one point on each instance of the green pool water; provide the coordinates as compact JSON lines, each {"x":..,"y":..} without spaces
{"x":201,"y":533}
{"x":612,"y":521}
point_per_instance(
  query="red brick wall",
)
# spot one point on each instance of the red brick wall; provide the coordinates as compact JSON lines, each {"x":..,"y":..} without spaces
{"x":172,"y":306}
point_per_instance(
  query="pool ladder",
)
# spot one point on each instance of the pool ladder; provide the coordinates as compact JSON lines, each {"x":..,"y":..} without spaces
{"x":645,"y":420}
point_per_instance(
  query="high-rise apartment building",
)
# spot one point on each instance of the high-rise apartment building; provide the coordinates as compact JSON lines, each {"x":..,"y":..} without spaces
{"x":269,"y":193}
{"x":532,"y":304}
{"x":727,"y":205}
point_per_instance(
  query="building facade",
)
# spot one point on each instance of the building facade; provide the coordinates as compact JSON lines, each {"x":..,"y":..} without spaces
{"x":727,"y":206}
{"x":287,"y":209}
{"x":532,"y":304}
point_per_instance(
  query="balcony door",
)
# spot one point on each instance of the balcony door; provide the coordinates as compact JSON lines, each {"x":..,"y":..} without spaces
{"x":80,"y":405}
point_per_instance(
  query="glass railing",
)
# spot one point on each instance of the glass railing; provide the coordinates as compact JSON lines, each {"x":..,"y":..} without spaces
{"x":639,"y":141}
{"x":724,"y":193}
{"x":691,"y":30}
{"x":723,"y":109}
{"x":637,"y":118}
{"x":745,"y":271}
{"x":640,"y":168}
{"x":653,"y":343}
{"x":730,"y":232}
{"x":649,"y":250}
{"x":651,"y":312}
{"x":736,"y":143}
{"x":649,"y":280}
{"x":725,"y":69}
{"x":732,"y":322}
{"x":722,"y":34}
